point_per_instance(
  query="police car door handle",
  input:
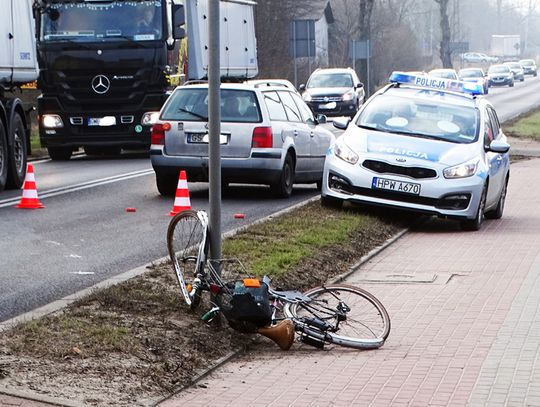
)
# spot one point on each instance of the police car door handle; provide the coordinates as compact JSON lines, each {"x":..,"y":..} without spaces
{"x":295,"y":133}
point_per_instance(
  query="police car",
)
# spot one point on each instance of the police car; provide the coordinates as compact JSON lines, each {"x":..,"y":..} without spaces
{"x":424,"y":144}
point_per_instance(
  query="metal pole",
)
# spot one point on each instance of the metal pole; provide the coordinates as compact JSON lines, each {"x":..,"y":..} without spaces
{"x":214,"y":131}
{"x":308,"y":49}
{"x":294,"y":54}
{"x":368,"y":76}
{"x":353,"y":55}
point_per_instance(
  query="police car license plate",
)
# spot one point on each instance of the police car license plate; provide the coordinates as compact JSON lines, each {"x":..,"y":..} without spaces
{"x":398,"y":186}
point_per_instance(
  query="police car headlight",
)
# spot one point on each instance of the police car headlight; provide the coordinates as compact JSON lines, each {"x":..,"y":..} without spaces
{"x":348,"y":96}
{"x":307,"y":97}
{"x":461,"y":171}
{"x":342,"y":151}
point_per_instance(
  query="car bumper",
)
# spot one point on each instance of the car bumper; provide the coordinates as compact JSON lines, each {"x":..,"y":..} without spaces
{"x":503,"y":82}
{"x":529,"y":71}
{"x":339,"y":108}
{"x":259,"y":168}
{"x":452,"y":198}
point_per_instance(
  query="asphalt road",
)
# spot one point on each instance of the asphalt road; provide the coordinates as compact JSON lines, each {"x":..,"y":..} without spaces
{"x":84,"y":235}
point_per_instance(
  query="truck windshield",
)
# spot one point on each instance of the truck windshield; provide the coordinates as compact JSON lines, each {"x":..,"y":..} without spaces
{"x":90,"y":22}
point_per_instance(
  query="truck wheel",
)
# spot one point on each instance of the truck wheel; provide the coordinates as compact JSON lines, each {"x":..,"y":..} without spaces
{"x":283,"y":186}
{"x":59,"y":153}
{"x":17,"y":154}
{"x":166,"y":183}
{"x":3,"y":157}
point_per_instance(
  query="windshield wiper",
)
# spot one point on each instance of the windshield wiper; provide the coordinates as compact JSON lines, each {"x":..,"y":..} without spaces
{"x":200,"y":116}
{"x":363,"y":126}
{"x":70,"y":41}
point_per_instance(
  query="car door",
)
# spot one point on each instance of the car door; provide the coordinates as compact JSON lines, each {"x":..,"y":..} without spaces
{"x":320,"y":139}
{"x":301,"y":134}
{"x":496,"y":161}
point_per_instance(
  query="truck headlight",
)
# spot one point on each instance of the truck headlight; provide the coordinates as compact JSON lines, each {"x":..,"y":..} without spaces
{"x":342,"y":151}
{"x":461,"y":171}
{"x":149,"y":118}
{"x":307,"y":97}
{"x":52,"y":121}
{"x":348,"y":96}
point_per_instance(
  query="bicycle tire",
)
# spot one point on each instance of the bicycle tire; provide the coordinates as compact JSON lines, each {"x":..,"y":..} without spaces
{"x":187,"y":242}
{"x":367,"y":324}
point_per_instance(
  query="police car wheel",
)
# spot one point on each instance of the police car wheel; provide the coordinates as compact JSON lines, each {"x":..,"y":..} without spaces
{"x":476,"y":223}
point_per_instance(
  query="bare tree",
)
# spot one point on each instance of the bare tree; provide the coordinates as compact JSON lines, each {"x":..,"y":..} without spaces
{"x":445,"y":51}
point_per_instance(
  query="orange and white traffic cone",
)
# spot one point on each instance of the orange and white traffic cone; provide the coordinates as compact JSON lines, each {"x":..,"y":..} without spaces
{"x":30,"y":198}
{"x":181,"y":199}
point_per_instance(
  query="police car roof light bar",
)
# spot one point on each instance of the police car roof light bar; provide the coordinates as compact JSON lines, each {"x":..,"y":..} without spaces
{"x":431,"y":82}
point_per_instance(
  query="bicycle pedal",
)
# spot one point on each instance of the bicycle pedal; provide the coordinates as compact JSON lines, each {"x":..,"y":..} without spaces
{"x":310,"y":340}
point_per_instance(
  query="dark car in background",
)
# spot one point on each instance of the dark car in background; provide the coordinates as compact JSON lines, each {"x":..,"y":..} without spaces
{"x":517,"y":69}
{"x":334,"y":92}
{"x":500,"y":75}
{"x":529,"y":67}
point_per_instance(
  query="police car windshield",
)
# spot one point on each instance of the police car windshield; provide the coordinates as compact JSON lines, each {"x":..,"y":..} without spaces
{"x":425,"y":117}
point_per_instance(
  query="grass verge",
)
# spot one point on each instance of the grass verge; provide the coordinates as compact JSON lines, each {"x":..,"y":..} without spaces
{"x":137,"y":341}
{"x":526,"y":126}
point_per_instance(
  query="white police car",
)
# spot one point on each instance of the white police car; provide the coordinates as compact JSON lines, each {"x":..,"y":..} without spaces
{"x":424,"y":144}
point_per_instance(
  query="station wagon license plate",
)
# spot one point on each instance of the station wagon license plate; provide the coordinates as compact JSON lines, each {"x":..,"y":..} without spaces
{"x":397,"y":186}
{"x":202,"y":138}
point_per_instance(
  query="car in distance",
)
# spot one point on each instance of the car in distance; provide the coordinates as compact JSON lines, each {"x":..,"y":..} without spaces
{"x":268,"y":136}
{"x":422,"y":144}
{"x":500,"y":75}
{"x":517,"y":69}
{"x":444,"y":73}
{"x":478,"y":57}
{"x":333,"y":92}
{"x":474,"y":75}
{"x":529,"y":67}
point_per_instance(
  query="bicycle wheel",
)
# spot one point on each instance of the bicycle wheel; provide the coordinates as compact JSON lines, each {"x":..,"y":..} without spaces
{"x":187,"y":241}
{"x":362,"y":321}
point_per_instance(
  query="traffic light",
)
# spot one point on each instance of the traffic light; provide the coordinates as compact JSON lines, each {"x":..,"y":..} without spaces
{"x":179,"y":19}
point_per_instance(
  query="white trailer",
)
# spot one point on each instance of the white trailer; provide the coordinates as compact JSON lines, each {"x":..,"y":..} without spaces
{"x":238,"y":51}
{"x":506,"y":46}
{"x":18,"y":65}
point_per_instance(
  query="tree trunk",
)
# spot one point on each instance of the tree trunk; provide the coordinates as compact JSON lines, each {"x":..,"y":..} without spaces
{"x":445,"y":51}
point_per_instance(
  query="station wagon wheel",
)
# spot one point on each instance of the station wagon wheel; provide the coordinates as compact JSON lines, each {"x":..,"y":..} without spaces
{"x":282,"y":188}
{"x":166,"y":183}
{"x":476,"y":223}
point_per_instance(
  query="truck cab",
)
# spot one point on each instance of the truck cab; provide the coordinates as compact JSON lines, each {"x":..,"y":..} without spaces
{"x":104,"y":68}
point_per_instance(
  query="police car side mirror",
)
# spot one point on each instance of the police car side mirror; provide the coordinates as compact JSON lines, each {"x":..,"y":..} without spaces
{"x":341,"y":123}
{"x":498,"y":146}
{"x":302,"y":87}
{"x":360,"y":85}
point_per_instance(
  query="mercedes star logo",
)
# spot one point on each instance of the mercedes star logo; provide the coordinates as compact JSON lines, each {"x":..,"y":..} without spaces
{"x":326,"y":99}
{"x":101,"y":84}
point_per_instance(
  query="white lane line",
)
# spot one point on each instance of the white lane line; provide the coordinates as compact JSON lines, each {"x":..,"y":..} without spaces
{"x":81,"y":186}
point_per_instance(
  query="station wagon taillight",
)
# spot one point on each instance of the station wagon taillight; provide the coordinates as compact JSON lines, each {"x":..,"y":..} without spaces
{"x":158,"y":133}
{"x":262,"y":137}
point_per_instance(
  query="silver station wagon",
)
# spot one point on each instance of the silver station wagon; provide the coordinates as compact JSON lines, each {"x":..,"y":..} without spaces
{"x":268,"y":136}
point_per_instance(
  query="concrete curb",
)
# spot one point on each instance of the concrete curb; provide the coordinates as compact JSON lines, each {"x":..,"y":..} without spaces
{"x":39,"y":398}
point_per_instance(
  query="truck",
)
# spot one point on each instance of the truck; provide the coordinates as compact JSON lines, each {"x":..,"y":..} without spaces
{"x":238,"y":45}
{"x":18,"y":66}
{"x":104,"y":68}
{"x":506,"y":47}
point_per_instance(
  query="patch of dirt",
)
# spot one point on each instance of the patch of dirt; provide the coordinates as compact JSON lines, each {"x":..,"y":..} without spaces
{"x":137,"y":342}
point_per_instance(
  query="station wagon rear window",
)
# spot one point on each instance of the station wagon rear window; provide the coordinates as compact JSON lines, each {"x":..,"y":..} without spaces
{"x":191,"y":104}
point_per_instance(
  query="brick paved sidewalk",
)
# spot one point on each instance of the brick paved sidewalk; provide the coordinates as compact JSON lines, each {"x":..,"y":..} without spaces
{"x":470,"y":337}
